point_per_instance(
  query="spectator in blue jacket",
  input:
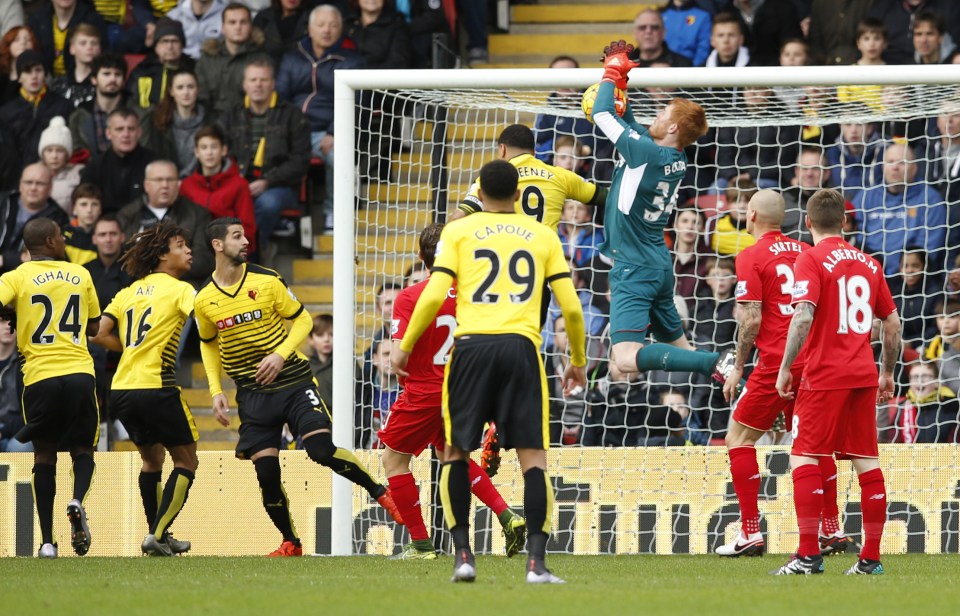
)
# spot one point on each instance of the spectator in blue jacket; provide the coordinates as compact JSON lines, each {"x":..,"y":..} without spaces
{"x":856,"y":158}
{"x":201,"y":19}
{"x":306,"y":79}
{"x":688,"y":30}
{"x":902,"y":212}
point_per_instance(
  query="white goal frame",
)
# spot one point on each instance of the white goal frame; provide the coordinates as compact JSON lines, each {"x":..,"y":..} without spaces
{"x":348,"y":83}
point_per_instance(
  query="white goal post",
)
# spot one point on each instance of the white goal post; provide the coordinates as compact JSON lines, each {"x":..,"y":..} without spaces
{"x":517,"y":95}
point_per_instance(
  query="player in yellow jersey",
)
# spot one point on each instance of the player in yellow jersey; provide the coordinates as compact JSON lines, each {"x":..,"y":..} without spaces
{"x":500,"y":261}
{"x":542,"y":188}
{"x":144,"y":322}
{"x":57,"y":308}
{"x":240,"y":312}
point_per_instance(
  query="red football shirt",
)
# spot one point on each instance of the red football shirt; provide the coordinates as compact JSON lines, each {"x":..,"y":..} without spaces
{"x":849,"y":291}
{"x":424,"y":387}
{"x":765,"y":275}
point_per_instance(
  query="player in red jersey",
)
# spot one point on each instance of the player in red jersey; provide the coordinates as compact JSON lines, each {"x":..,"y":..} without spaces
{"x":839,"y":291}
{"x":416,"y":421}
{"x":764,"y":293}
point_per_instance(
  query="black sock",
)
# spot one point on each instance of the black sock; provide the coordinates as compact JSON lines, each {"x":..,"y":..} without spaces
{"x":537,"y":507}
{"x":44,"y":491}
{"x":83,"y":468}
{"x":150,"y":488}
{"x":455,"y":494}
{"x":347,"y":465}
{"x":174,"y":497}
{"x":274,"y":497}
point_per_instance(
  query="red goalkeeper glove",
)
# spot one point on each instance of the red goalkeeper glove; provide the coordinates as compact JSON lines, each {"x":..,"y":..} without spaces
{"x":490,"y":454}
{"x":617,"y":63}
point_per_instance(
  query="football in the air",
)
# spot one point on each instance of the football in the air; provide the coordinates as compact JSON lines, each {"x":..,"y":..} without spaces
{"x":590,"y":96}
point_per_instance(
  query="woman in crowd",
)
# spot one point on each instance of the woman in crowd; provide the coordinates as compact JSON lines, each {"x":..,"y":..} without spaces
{"x":169,"y":129}
{"x":17,"y":40}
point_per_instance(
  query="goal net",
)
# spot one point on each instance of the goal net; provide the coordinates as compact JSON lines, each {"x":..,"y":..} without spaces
{"x":639,"y":465}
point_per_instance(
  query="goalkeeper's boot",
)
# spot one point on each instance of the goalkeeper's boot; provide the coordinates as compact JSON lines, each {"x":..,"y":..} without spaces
{"x":416,"y":550}
{"x":490,"y":452}
{"x":176,"y":546}
{"x":743,"y":545}
{"x":537,"y":573}
{"x":287,"y":548}
{"x":801,"y":565}
{"x":865,"y":567}
{"x":724,"y":366}
{"x":47,"y":550}
{"x":836,"y":543}
{"x":79,"y":530}
{"x":464,"y":567}
{"x":152,"y":546}
{"x":515,"y":534}
{"x":386,"y":501}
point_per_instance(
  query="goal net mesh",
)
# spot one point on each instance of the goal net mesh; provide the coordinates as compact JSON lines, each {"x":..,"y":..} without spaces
{"x":638,"y":465}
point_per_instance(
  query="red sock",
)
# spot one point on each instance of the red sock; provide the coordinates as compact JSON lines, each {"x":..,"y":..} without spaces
{"x":808,"y":500}
{"x":873,"y":504}
{"x":746,"y":483}
{"x":405,"y":494}
{"x":482,"y":488}
{"x":829,"y":519}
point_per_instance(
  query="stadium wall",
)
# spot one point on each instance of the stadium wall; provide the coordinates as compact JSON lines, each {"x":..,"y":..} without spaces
{"x":682,"y":502}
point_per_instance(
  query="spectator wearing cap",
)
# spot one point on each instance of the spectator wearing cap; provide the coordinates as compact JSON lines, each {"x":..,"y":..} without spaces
{"x":18,"y":207}
{"x":222,"y":60}
{"x":56,"y":148}
{"x":148,"y":80}
{"x":30,"y":112}
{"x":201,"y":20}
{"x":89,"y":122}
{"x":52,"y":23}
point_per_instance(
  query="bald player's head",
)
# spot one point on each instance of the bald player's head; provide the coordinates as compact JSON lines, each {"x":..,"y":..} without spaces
{"x":766,"y":209}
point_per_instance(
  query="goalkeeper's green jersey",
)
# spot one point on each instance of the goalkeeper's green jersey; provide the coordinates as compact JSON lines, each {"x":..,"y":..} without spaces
{"x":644,"y":190}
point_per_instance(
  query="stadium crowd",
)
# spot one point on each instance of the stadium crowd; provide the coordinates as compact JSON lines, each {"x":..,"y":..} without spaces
{"x":115,"y":115}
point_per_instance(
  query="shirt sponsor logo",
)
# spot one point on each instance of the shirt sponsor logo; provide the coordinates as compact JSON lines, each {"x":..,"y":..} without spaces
{"x":239,"y":319}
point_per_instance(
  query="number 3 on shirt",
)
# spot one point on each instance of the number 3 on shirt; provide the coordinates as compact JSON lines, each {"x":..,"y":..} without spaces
{"x":663,"y":201}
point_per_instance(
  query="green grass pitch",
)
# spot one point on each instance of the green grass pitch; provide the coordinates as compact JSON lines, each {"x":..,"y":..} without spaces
{"x":913,"y":585}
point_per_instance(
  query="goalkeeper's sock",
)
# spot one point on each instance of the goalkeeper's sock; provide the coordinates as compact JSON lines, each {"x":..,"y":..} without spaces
{"x":808,"y":500}
{"x":274,"y":496}
{"x":873,"y":504}
{"x":660,"y":356}
{"x":484,"y":489}
{"x":151,"y":488}
{"x":829,"y":517}
{"x":403,"y":489}
{"x":455,"y":496}
{"x":746,"y":483}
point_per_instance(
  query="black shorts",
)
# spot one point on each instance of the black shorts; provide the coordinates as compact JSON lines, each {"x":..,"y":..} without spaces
{"x":62,"y":410}
{"x":496,"y":378}
{"x":154,"y":416}
{"x":262,"y":415}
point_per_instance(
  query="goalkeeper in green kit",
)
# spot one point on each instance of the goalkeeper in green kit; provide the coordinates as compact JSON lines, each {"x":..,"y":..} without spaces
{"x":647,"y":175}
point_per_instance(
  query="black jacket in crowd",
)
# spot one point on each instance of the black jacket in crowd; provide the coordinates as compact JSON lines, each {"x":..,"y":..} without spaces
{"x":120,"y":178}
{"x":11,"y":239}
{"x":27,"y":122}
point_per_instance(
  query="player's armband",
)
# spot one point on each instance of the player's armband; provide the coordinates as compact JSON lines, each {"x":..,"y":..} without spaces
{"x":599,"y":196}
{"x":470,"y":205}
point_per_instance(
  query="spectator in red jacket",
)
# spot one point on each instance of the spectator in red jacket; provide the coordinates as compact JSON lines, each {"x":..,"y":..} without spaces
{"x":216,"y":183}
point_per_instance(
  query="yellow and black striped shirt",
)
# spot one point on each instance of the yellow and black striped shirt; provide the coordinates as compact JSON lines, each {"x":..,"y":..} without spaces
{"x":248,"y":320}
{"x":149,"y":315}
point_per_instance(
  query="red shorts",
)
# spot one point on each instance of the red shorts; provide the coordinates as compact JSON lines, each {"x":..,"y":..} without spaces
{"x":760,"y":403}
{"x":410,"y":430}
{"x":841,"y":422}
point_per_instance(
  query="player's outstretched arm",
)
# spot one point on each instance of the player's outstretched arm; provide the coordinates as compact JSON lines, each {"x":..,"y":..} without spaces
{"x":750,"y":318}
{"x":796,"y":336}
{"x":106,"y":337}
{"x":889,"y":355}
